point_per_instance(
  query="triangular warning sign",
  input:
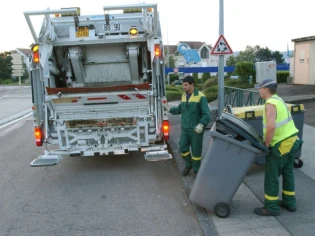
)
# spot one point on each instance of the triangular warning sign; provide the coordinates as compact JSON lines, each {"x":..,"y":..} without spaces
{"x":221,"y":47}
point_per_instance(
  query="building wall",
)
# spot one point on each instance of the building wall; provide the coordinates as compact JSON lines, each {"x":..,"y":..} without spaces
{"x":301,"y":62}
{"x":311,"y":78}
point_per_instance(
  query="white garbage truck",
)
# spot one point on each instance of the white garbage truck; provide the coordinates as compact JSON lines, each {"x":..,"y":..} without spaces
{"x":98,"y":83}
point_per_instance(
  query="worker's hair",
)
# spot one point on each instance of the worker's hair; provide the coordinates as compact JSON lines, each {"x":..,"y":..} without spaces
{"x":272,"y":90}
{"x":189,"y":79}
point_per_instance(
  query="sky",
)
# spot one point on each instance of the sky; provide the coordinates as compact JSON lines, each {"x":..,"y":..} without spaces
{"x":267,"y":23}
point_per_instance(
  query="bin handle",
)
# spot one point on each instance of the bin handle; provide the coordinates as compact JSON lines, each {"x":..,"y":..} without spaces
{"x":229,"y":109}
{"x":250,"y":115}
{"x":229,"y":135}
{"x":293,"y":109}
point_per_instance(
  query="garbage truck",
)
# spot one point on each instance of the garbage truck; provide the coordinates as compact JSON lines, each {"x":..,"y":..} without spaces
{"x":98,"y":84}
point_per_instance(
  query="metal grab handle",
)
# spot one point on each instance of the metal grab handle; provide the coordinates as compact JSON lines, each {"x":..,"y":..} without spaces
{"x":27,"y":15}
{"x":143,"y":6}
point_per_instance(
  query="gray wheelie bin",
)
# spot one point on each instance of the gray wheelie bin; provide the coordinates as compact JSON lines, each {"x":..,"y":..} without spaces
{"x":253,"y":116}
{"x":230,"y":154}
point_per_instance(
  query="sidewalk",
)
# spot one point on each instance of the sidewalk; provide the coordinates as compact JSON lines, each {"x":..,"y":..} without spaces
{"x":242,"y":221}
{"x":20,"y":99}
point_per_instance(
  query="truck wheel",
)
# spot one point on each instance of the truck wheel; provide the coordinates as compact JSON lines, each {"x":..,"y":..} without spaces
{"x":298,"y":163}
{"x":222,"y":210}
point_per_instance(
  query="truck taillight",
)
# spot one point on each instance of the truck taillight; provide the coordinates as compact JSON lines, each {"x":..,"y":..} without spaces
{"x":34,"y":49}
{"x":166,"y":129}
{"x":36,"y":57}
{"x":157,"y":51}
{"x":38,"y":136}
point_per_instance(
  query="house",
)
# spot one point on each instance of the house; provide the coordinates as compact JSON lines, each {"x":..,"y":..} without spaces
{"x":302,"y":66}
{"x":203,"y":49}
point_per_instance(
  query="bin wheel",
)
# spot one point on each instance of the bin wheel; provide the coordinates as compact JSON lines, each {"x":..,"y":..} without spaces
{"x":222,"y":210}
{"x":298,"y":163}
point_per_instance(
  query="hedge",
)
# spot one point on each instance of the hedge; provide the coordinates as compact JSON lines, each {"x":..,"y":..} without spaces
{"x":282,"y":76}
{"x":173,"y":96}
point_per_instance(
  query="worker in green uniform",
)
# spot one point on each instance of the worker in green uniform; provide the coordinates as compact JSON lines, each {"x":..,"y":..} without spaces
{"x":195,"y":116}
{"x":280,"y":136}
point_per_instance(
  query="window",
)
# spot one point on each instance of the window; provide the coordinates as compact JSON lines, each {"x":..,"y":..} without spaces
{"x":204,"y":53}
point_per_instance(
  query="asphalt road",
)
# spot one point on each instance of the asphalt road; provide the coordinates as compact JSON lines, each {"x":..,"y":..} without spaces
{"x":110,"y":196}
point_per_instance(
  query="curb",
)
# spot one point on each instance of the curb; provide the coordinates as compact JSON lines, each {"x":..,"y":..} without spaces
{"x":14,"y":117}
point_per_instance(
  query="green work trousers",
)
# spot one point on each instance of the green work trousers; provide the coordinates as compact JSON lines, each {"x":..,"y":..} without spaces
{"x":194,"y":140}
{"x":277,"y":165}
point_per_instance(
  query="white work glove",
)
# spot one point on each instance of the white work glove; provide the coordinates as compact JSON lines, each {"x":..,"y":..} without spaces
{"x":199,"y":128}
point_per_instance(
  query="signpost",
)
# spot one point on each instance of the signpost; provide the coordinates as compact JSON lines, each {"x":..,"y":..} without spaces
{"x":221,"y":48}
{"x":17,"y":66}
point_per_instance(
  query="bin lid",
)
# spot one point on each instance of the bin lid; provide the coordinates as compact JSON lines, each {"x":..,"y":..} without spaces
{"x":251,"y":112}
{"x":243,"y":129}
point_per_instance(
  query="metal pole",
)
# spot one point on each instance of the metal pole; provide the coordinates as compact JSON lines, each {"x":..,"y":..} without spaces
{"x":20,"y":80}
{"x":221,"y":64}
{"x":168,"y":59}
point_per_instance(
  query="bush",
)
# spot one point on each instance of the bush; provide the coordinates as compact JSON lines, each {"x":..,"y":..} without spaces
{"x":196,"y":80}
{"x":282,"y":76}
{"x":244,"y":70}
{"x":211,"y":93}
{"x":173,"y":77}
{"x":199,"y":87}
{"x":236,"y":83}
{"x":211,"y":96}
{"x":205,"y":76}
{"x":6,"y":81}
{"x":173,"y":95}
{"x":210,"y":82}
{"x":174,"y":88}
{"x":214,"y":88}
{"x":231,"y":82}
{"x":254,"y":77}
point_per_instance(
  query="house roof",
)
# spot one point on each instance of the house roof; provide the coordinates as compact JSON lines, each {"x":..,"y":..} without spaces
{"x":192,"y":44}
{"x":172,"y":48}
{"x":304,"y":39}
{"x":24,"y":51}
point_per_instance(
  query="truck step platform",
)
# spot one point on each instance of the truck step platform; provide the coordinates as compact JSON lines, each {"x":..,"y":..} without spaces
{"x":46,"y":161}
{"x":157,"y":156}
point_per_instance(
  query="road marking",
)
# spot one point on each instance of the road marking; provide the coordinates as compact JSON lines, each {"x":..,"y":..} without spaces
{"x":16,"y":120}
{"x":3,"y":96}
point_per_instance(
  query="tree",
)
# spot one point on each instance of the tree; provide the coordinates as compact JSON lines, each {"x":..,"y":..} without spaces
{"x":205,"y":76}
{"x":263,"y":54}
{"x":195,"y":76}
{"x":244,"y":70}
{"x":171,"y":62}
{"x":247,"y":55}
{"x":231,"y":61}
{"x":5,"y":65}
{"x":278,"y":57}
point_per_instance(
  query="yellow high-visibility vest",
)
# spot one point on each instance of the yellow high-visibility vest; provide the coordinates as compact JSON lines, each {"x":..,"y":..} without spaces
{"x":285,"y":126}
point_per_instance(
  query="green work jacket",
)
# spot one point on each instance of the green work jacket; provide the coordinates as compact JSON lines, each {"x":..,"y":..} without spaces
{"x":195,"y":111}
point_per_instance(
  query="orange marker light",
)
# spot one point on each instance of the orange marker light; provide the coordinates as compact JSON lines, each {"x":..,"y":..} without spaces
{"x":36,"y":57}
{"x":166,"y":128}
{"x":157,"y":51}
{"x":38,"y":136}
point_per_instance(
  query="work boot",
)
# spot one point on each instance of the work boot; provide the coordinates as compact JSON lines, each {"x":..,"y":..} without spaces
{"x":186,"y":171}
{"x":265,"y":212}
{"x":283,"y":205}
